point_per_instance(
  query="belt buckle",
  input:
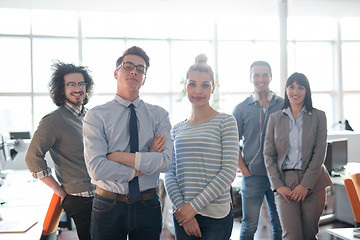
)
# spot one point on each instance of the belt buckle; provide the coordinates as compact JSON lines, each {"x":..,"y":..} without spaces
{"x":129,"y":200}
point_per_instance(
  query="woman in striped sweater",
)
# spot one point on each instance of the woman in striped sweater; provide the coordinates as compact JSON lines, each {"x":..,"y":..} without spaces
{"x":206,"y":152}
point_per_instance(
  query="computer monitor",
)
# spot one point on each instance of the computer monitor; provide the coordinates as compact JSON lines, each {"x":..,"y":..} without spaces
{"x":19,"y":135}
{"x":336,"y":156}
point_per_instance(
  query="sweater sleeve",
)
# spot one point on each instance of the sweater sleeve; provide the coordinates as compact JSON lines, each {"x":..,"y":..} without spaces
{"x":46,"y":135}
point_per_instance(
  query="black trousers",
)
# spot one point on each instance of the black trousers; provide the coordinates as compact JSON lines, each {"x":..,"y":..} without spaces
{"x":79,"y":208}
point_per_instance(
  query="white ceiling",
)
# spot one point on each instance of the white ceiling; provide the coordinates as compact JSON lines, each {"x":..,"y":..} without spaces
{"x":202,"y":7}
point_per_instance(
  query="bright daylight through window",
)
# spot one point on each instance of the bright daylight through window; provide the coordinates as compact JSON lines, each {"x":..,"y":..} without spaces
{"x":31,"y":39}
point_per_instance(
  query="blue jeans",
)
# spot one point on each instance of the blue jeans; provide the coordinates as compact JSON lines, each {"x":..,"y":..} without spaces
{"x":253,"y":190}
{"x":211,"y":228}
{"x":114,"y":220}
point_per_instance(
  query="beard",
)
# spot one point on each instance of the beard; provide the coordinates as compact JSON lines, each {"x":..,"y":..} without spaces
{"x":77,"y":102}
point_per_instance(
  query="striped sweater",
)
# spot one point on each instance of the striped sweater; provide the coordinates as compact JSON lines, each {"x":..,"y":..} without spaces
{"x":204,"y":164}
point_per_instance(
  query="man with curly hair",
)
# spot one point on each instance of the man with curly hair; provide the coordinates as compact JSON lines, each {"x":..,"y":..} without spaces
{"x":60,"y":133}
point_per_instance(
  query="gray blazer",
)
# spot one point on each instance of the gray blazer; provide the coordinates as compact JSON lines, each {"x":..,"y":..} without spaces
{"x":314,"y":143}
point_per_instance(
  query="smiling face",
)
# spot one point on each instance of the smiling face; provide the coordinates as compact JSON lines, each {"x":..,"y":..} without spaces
{"x":260,"y":77}
{"x":130,"y":81}
{"x":296,"y":94}
{"x":74,"y":95}
{"x":199,"y":88}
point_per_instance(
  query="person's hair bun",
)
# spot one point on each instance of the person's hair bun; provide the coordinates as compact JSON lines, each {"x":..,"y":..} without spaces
{"x":201,"y":58}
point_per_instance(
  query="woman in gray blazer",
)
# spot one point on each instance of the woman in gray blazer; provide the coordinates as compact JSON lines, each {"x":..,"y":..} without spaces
{"x":294,"y":152}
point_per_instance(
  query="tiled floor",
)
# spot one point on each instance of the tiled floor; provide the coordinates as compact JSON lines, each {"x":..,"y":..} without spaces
{"x":263,"y":233}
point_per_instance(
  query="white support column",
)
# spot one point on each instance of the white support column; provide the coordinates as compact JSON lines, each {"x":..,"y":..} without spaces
{"x":283,"y":13}
{"x":338,"y":108}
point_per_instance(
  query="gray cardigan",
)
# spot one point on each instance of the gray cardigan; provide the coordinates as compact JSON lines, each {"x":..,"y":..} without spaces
{"x":313,"y":149}
{"x":60,"y":133}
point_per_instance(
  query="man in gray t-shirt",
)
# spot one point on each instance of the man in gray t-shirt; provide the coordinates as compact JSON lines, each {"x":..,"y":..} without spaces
{"x":252,"y":116}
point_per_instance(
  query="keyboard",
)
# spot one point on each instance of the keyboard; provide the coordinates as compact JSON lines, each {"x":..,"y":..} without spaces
{"x":16,"y":226}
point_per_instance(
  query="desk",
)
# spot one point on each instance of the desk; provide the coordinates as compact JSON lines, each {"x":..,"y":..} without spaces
{"x":24,"y":198}
{"x":343,"y":233}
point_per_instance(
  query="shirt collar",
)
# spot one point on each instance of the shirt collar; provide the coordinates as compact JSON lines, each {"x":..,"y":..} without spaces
{"x":287,"y":111}
{"x":252,"y":101}
{"x":75,"y":111}
{"x":126,"y":103}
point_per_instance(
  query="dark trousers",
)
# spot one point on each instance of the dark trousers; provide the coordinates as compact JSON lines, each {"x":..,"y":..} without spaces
{"x":79,"y":208}
{"x":211,"y":228}
{"x":115,"y":220}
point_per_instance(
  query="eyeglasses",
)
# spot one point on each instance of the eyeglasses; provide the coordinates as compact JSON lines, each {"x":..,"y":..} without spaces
{"x":72,"y":85}
{"x":128,"y":66}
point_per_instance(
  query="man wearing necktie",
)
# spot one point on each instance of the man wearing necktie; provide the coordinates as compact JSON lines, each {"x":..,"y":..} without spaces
{"x":127,"y":145}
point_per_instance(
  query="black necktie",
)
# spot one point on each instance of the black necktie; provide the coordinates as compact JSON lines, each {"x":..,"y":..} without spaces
{"x":134,"y":191}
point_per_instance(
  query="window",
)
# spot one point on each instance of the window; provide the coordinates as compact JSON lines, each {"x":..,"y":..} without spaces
{"x":45,"y":52}
{"x":231,"y":43}
{"x":315,"y":60}
{"x":15,"y":71}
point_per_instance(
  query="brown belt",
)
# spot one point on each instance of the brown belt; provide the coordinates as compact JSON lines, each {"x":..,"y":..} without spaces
{"x":145,"y":195}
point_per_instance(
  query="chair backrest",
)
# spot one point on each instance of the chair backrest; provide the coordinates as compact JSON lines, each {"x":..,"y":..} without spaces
{"x":52,"y":218}
{"x":356,"y":180}
{"x":352,"y":185}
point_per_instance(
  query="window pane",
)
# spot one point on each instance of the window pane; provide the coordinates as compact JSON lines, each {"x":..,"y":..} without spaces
{"x":14,"y":21}
{"x":248,"y":28}
{"x":351,"y":103}
{"x":350,"y":66}
{"x":191,"y":27}
{"x":45,"y":50}
{"x":180,"y":109}
{"x":96,"y":100}
{"x":147,"y":26}
{"x":229,"y":101}
{"x":183,"y":56}
{"x":158,"y":78}
{"x":54,"y":23}
{"x":311,"y":28}
{"x":15,"y":114}
{"x":101,"y":24}
{"x":42,"y":106}
{"x":315,"y":60}
{"x":348,"y":26}
{"x":100,"y":56}
{"x":15,"y":69}
{"x":324,"y":102}
{"x":162,"y":101}
{"x":234,"y":68}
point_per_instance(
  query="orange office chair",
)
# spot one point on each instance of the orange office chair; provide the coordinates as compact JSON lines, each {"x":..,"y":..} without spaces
{"x":352,"y":185}
{"x":52,"y":219}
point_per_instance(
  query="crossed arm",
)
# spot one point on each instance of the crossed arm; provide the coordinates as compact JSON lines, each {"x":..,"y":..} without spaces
{"x":128,"y":159}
